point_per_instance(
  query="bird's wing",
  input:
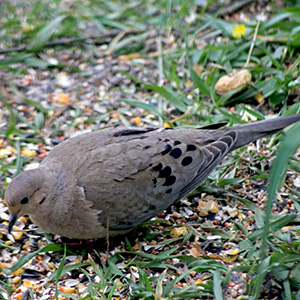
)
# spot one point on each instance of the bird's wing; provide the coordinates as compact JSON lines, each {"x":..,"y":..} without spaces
{"x":140,"y":175}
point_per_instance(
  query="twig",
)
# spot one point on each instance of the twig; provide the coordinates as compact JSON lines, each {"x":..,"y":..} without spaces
{"x":16,"y":49}
{"x":252,"y":44}
{"x":182,"y":116}
{"x":232,"y":8}
{"x":96,"y":40}
{"x":116,"y":39}
{"x":272,"y":39}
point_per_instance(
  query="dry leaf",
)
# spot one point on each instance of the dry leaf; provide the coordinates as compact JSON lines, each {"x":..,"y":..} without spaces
{"x":216,"y":256}
{"x":129,"y":56}
{"x":7,"y":151}
{"x":27,"y":152}
{"x":17,"y":233}
{"x":259,"y":98}
{"x":232,"y":81}
{"x":65,"y":289}
{"x":198,"y":69}
{"x":27,"y":28}
{"x":179,"y":231}
{"x":188,"y":84}
{"x":205,"y":207}
{"x":63,"y":98}
{"x":196,"y":250}
{"x":17,"y":272}
{"x":27,"y":283}
{"x":18,"y":296}
{"x":136,"y":120}
{"x":198,"y":281}
{"x":234,"y":252}
{"x":4,"y":266}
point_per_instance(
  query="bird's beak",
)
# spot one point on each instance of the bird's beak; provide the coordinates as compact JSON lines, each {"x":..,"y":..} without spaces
{"x":12,"y":220}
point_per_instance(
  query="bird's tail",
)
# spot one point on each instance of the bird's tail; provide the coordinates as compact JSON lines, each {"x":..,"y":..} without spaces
{"x":250,"y":132}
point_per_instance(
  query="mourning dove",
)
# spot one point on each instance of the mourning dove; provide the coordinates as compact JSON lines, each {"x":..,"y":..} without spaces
{"x":123,"y":177}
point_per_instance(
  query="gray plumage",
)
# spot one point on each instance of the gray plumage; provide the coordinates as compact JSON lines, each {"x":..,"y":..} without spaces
{"x":129,"y":174}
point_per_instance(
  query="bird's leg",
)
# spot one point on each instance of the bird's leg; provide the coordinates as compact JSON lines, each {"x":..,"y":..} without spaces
{"x":107,"y":231}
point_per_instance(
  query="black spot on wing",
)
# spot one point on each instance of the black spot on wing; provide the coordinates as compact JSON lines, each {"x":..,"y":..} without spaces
{"x":177,"y":143}
{"x":154,"y":180}
{"x":190,"y":147}
{"x":167,"y":149}
{"x":176,"y":153}
{"x":187,"y":161}
{"x":170,"y":180}
{"x":211,"y":155}
{"x":152,"y":207}
{"x":169,"y":191}
{"x":165,"y":172}
{"x":158,"y":167}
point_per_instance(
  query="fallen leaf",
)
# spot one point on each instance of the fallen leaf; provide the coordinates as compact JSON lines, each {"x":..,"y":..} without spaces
{"x":63,"y":98}
{"x":234,"y":252}
{"x":129,"y":56}
{"x":65,"y":289}
{"x":18,"y":296}
{"x":27,"y":152}
{"x":198,"y":69}
{"x":7,"y":151}
{"x":188,"y":84}
{"x":259,"y":98}
{"x":205,"y":207}
{"x":179,"y":231}
{"x":198,"y":281}
{"x":17,"y":272}
{"x":196,"y":250}
{"x":27,"y":283}
{"x":232,"y":81}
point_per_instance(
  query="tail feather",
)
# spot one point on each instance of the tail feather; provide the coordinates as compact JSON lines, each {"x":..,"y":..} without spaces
{"x":250,"y":132}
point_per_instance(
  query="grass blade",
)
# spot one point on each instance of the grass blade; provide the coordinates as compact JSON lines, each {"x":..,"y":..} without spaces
{"x":217,"y":285}
{"x":59,"y":272}
{"x":43,"y":36}
{"x":145,"y":106}
{"x":259,"y":279}
{"x":25,"y":258}
{"x":288,"y":146}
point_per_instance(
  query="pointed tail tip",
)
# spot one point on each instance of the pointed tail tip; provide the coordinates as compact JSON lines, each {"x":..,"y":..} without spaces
{"x":251,"y":132}
{"x":288,"y":119}
{"x":281,"y":122}
{"x":273,"y":124}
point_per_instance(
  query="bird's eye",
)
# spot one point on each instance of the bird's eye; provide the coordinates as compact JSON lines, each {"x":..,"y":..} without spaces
{"x":24,"y":200}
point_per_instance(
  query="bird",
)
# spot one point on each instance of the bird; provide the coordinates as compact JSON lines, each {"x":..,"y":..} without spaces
{"x":113,"y":179}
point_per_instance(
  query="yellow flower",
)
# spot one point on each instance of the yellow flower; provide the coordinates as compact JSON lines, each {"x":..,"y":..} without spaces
{"x":239,"y":31}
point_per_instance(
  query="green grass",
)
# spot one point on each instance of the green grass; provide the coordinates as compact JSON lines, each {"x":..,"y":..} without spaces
{"x":171,"y":40}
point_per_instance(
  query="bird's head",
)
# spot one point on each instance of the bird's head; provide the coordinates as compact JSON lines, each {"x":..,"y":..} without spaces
{"x":24,"y":194}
